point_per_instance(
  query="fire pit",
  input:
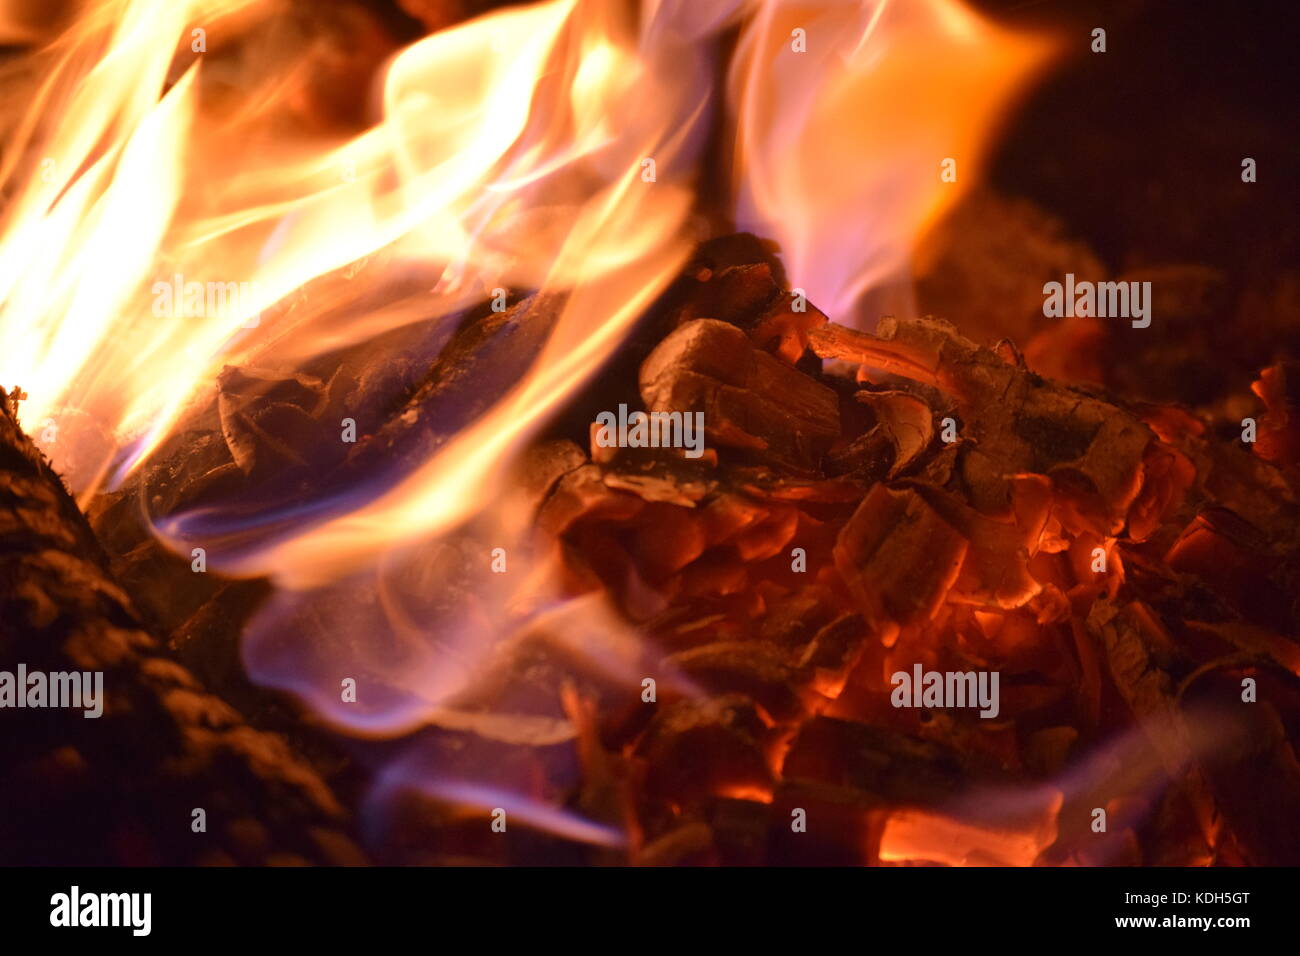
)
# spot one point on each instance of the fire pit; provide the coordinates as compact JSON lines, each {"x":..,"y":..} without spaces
{"x":648,"y":434}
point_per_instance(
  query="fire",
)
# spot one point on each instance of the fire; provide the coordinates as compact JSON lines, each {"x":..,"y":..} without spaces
{"x":553,"y":146}
{"x":858,"y":125}
{"x":175,"y":204}
{"x":918,"y":835}
{"x":477,"y":136}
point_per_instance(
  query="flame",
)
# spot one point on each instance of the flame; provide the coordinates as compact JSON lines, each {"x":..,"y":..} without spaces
{"x":25,"y":22}
{"x":510,"y":152}
{"x":476,"y":135}
{"x":176,"y":202}
{"x":846,"y":115}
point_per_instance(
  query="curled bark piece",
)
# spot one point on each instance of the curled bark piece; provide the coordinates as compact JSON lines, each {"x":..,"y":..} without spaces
{"x":905,"y":421}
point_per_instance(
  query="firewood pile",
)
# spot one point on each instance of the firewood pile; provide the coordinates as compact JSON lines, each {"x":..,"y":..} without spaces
{"x":866,"y":503}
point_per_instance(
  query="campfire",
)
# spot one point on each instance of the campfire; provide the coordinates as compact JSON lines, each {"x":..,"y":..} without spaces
{"x":577,"y":432}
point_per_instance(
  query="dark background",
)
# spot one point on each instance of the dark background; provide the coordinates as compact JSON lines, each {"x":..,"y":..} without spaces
{"x":1127,"y":165}
{"x":1139,"y":149}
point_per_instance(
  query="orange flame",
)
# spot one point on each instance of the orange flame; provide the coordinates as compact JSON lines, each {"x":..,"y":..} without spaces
{"x":554,"y":146}
{"x":859,"y":124}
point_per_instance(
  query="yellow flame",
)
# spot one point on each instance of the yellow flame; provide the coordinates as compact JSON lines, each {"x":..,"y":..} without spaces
{"x":554,"y":146}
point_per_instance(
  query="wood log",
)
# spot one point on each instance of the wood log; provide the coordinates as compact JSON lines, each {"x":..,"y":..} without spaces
{"x":750,"y":400}
{"x":123,"y":788}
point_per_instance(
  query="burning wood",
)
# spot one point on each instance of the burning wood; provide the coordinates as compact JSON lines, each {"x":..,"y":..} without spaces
{"x":949,"y":512}
{"x":558,"y":515}
{"x":748,"y":399}
{"x":999,"y":548}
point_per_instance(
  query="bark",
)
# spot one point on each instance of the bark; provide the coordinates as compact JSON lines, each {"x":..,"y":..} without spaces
{"x":122,"y":788}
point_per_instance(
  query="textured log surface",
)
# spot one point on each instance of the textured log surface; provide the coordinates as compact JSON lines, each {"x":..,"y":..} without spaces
{"x":122,"y":788}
